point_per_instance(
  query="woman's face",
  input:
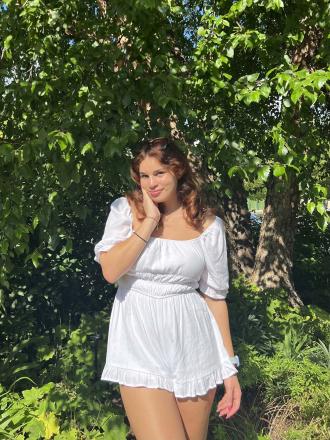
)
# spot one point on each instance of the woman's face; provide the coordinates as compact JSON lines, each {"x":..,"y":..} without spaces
{"x":157,"y":179}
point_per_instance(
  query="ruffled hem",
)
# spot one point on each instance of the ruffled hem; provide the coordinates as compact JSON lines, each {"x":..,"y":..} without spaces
{"x":190,"y":388}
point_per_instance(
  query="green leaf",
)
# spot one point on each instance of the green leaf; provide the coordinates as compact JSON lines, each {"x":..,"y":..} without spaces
{"x":233,"y":170}
{"x":230,"y":52}
{"x":35,"y":257}
{"x":310,"y":207}
{"x":323,"y":222}
{"x":82,"y":91}
{"x":35,"y":222}
{"x":271,"y":71}
{"x":52,"y":196}
{"x":51,"y":425}
{"x":72,"y":434}
{"x":87,"y":147}
{"x":296,"y":94}
{"x":33,"y":86}
{"x":69,"y":138}
{"x":320,"y":208}
{"x":32,"y":395}
{"x":278,"y":170}
{"x":29,"y":366}
{"x":237,"y":170}
{"x":62,"y":143}
{"x":288,"y":158}
{"x":255,"y":96}
{"x":220,"y":83}
{"x":45,"y":353}
{"x":321,"y":82}
{"x":265,"y":90}
{"x":294,"y":167}
{"x":35,"y":428}
{"x":229,"y":193}
{"x":227,"y":75}
{"x":287,"y":59}
{"x":263,"y":172}
{"x":253,"y":77}
{"x":89,"y":114}
{"x":321,"y":189}
{"x":6,"y":42}
{"x":282,"y":150}
{"x":201,"y":32}
{"x":274,"y":4}
{"x":214,"y":136}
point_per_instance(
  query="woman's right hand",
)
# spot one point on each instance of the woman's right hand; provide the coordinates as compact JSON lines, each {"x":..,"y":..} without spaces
{"x":150,"y":207}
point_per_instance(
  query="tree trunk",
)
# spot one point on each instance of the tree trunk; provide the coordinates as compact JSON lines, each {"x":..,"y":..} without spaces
{"x":274,"y":257}
{"x":234,"y":211}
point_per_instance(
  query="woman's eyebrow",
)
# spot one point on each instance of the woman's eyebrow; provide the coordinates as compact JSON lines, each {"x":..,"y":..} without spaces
{"x":161,"y":169}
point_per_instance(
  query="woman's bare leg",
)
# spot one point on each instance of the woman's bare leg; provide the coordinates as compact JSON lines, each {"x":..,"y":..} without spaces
{"x":153,"y":413}
{"x":195,"y":413}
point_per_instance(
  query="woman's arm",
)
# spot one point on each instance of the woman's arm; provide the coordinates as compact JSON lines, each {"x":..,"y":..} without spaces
{"x":121,"y":257}
{"x":219,"y":310}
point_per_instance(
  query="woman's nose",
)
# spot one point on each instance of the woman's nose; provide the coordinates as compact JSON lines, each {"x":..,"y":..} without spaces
{"x":152,"y":181}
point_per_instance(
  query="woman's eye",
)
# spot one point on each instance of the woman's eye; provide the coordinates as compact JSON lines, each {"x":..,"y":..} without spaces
{"x":159,"y":172}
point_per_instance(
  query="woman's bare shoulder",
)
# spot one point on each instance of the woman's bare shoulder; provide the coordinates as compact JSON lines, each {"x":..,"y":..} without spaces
{"x":209,"y":219}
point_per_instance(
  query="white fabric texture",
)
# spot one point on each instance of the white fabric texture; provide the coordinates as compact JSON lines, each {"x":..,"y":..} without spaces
{"x":162,"y":334}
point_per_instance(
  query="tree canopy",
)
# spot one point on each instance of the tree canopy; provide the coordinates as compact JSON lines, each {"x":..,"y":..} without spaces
{"x":243,"y":85}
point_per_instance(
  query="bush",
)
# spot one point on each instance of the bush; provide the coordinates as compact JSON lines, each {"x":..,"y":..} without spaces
{"x":59,"y":412}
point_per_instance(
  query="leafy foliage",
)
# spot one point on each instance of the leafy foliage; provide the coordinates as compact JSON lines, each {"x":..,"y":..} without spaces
{"x":81,"y":82}
{"x":47,"y":413}
{"x":78,"y":405}
{"x":263,"y":67}
{"x":76,"y":86}
{"x":312,"y":262}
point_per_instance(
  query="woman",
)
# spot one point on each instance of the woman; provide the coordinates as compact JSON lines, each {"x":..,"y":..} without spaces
{"x":165,"y":346}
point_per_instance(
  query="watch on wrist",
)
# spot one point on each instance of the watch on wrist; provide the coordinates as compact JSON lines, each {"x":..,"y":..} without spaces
{"x":235,"y":360}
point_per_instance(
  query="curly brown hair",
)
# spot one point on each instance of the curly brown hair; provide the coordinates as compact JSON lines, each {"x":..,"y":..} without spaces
{"x":189,"y":191}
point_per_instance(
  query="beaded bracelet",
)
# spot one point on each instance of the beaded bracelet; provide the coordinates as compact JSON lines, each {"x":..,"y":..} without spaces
{"x":140,"y":236}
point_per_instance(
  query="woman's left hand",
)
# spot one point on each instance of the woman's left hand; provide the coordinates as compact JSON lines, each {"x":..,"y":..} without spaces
{"x":231,"y":401}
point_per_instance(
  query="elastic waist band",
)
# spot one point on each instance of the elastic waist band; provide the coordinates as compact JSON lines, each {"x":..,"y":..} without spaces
{"x":155,"y":289}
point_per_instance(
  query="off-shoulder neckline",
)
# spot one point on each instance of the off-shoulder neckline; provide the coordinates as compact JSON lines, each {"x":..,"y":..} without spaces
{"x":217,"y":219}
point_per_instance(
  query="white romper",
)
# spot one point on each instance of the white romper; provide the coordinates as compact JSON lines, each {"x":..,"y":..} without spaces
{"x":162,"y":334}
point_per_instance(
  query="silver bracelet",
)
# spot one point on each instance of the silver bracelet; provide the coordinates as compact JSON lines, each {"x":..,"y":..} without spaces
{"x":140,"y":236}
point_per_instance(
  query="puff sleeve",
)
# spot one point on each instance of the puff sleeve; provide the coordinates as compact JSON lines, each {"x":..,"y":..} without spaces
{"x":117,"y":227}
{"x":214,"y":281}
